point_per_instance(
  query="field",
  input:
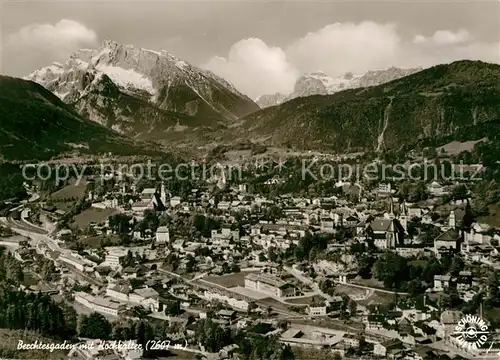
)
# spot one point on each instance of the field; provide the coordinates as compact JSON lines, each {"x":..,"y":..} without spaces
{"x":351,"y":291}
{"x":300,"y":301}
{"x":456,"y":147}
{"x":378,"y":298}
{"x":365,"y":297}
{"x":493,"y":219}
{"x":370,"y":283}
{"x":275,"y":304}
{"x":230,"y":280}
{"x":64,"y":206}
{"x":95,"y":241}
{"x":69,"y":192}
{"x":418,"y":262}
{"x":84,"y":219}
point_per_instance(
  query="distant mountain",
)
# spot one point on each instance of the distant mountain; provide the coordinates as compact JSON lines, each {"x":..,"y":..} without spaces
{"x":319,"y":83}
{"x":36,"y":124}
{"x":143,"y":93}
{"x":436,"y":102}
{"x":270,"y":100}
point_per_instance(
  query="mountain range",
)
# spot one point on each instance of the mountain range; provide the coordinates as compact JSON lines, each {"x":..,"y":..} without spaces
{"x":434,"y":103}
{"x":318,"y":83}
{"x":117,"y":96}
{"x":143,"y":93}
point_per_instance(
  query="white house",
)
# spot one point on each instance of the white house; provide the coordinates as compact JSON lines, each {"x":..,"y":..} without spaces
{"x":162,"y":235}
{"x":99,"y":304}
{"x":75,"y":262}
{"x":175,"y":200}
{"x":317,"y":310}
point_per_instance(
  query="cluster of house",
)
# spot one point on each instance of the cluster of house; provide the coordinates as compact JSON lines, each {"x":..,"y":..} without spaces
{"x":119,"y":297}
{"x":393,"y":335}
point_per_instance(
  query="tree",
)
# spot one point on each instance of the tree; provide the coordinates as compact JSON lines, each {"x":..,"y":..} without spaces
{"x":313,"y":254}
{"x":327,"y":286}
{"x":94,"y":326}
{"x":460,"y":192}
{"x":428,"y":234}
{"x":392,"y":269}
{"x":358,"y":248}
{"x":449,"y":300}
{"x":128,"y":260}
{"x":211,"y":335}
{"x":235,"y":268}
{"x":48,"y":269}
{"x":414,"y":287}
{"x":190,"y":264}
{"x":120,"y":223}
{"x":457,"y":265}
{"x":353,"y":307}
{"x":173,"y":308}
{"x":418,"y":192}
{"x":38,"y":312}
{"x":365,"y":265}
{"x":271,"y":254}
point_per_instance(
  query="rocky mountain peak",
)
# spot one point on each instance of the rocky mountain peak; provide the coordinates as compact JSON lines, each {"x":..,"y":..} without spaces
{"x":319,"y":83}
{"x":94,"y":79}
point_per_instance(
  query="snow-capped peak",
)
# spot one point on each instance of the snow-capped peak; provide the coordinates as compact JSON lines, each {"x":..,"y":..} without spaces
{"x":94,"y":79}
{"x":319,"y":83}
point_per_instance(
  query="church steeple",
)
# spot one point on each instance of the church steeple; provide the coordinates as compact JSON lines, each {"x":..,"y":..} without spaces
{"x":163,"y":194}
{"x":391,"y":211}
{"x":222,"y":180}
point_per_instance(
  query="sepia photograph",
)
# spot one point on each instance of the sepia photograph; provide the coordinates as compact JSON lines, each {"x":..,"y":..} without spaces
{"x":250,"y":179}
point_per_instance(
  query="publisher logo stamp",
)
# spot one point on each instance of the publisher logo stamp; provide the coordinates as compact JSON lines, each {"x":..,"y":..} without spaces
{"x":472,"y":332}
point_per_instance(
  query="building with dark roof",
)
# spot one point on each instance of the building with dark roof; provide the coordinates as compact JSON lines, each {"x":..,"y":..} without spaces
{"x":385,"y":233}
{"x":270,"y":285}
{"x":448,"y":243}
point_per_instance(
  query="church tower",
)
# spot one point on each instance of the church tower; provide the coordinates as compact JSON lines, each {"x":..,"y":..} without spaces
{"x":163,"y":194}
{"x":452,"y":221}
{"x":403,"y":216}
{"x":221,"y":184}
{"x":391,"y":211}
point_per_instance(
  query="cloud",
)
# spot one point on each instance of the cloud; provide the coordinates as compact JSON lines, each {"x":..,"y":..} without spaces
{"x":46,"y":43}
{"x":444,"y":37}
{"x":342,"y":47}
{"x":255,"y":68}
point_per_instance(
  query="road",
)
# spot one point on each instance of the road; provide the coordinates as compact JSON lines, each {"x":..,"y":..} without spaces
{"x":33,"y":197}
{"x":372,"y":288}
{"x":10,"y":222}
{"x":315,"y":286}
{"x":38,"y":236}
{"x":304,"y":279}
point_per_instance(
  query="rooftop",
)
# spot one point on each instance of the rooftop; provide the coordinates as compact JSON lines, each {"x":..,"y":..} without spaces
{"x":266,"y":279}
{"x":162,"y":229}
{"x":450,"y":235}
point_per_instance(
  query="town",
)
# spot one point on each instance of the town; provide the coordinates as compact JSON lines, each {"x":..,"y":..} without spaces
{"x":258,"y":265}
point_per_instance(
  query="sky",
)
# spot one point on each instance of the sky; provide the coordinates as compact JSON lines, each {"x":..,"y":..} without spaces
{"x":262,"y":47}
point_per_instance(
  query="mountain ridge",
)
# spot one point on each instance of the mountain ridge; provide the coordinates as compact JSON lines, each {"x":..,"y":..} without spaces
{"x":433,"y":102}
{"x":36,"y":124}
